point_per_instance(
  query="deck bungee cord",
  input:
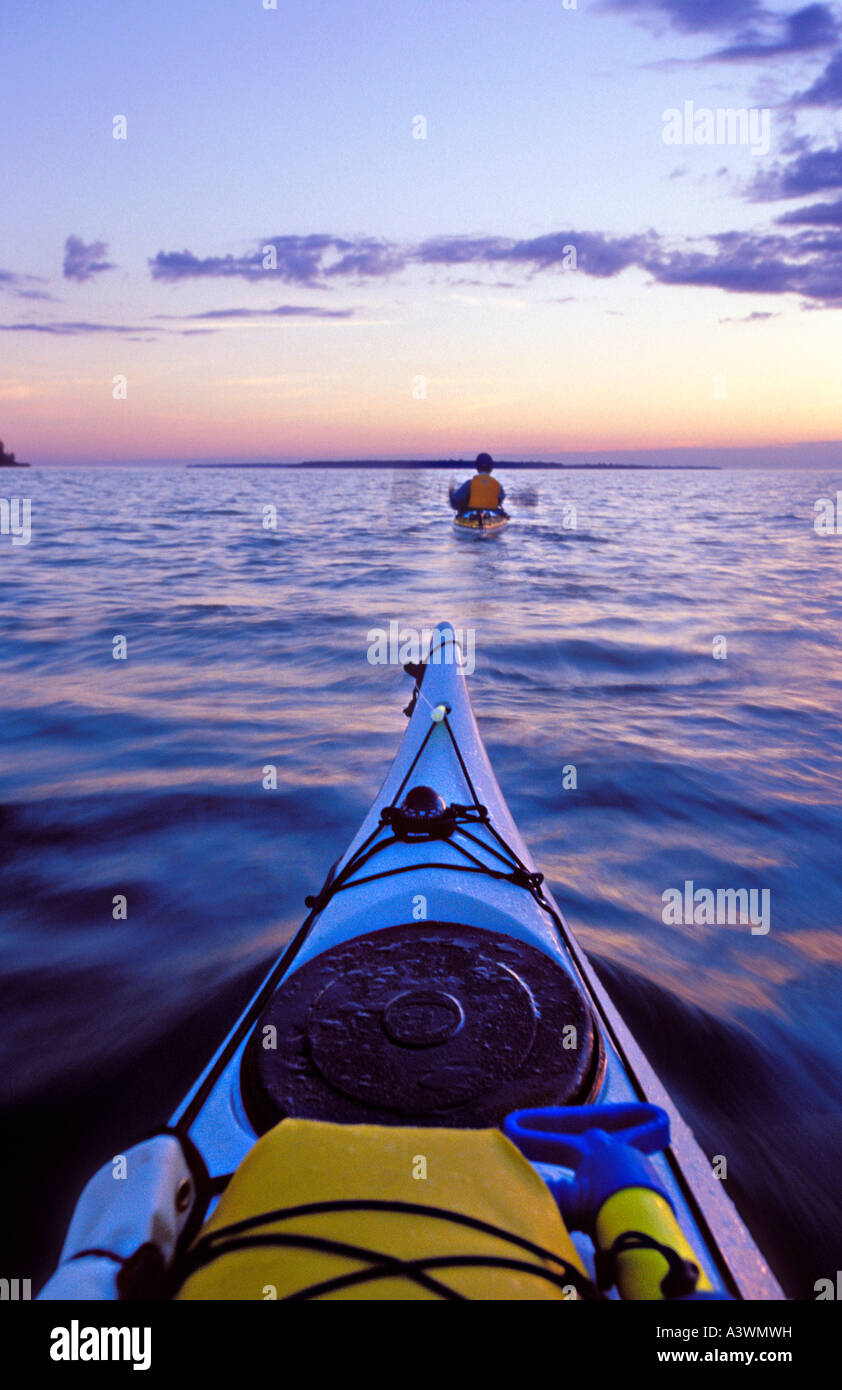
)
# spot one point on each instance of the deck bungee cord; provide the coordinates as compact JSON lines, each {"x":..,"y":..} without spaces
{"x":424,"y":818}
{"x":241,"y":1235}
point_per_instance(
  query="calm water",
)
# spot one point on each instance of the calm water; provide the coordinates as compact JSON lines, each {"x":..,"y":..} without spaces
{"x":247,"y":646}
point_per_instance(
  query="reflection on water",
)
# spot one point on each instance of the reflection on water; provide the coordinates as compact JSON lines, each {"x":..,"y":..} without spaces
{"x":594,"y":648}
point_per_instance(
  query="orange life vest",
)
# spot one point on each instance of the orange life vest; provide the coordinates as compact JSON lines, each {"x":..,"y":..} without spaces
{"x":485,"y":492}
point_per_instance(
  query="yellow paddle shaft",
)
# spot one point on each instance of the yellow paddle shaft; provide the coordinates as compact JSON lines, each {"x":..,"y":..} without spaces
{"x":640,"y":1272}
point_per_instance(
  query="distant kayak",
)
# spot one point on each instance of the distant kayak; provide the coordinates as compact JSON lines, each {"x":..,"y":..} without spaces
{"x":480,"y":521}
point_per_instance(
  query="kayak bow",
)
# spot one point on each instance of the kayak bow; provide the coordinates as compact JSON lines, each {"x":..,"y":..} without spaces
{"x":433,"y":997}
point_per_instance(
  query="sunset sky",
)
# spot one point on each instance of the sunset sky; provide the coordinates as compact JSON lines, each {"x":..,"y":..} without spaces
{"x":423,"y":302}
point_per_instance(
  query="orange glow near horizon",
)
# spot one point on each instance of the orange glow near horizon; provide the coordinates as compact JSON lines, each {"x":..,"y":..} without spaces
{"x":666,"y":373}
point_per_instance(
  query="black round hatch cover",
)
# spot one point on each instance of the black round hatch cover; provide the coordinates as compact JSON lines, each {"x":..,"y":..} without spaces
{"x":426,"y":1023}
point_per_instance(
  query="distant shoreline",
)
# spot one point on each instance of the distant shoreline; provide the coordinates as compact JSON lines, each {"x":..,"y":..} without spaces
{"x":463,"y":464}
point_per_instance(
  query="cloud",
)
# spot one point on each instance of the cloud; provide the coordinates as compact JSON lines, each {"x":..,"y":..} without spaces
{"x":183,"y":265}
{"x":487,"y":284}
{"x":36,"y":294}
{"x":742,"y":263}
{"x":809,"y":265}
{"x":282,"y":311}
{"x":463,"y":250}
{"x":593,"y":252}
{"x":692,"y":16}
{"x":737,"y":262}
{"x":67,"y":329}
{"x":806,"y":263}
{"x":313,"y":261}
{"x":809,"y":171}
{"x":368,"y":258}
{"x":816,"y":215}
{"x":75,"y":328}
{"x":298,"y":260}
{"x":82,"y":262}
{"x":136,"y":333}
{"x":827,"y":89}
{"x":804,"y":31}
{"x":81,"y":327}
{"x":757,"y":317}
{"x":18,"y":285}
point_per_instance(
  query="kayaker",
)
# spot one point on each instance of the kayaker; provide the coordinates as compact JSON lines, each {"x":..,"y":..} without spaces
{"x":482,"y":492}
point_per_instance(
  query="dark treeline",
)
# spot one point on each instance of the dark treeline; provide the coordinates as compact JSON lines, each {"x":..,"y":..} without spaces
{"x":456,"y":463}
